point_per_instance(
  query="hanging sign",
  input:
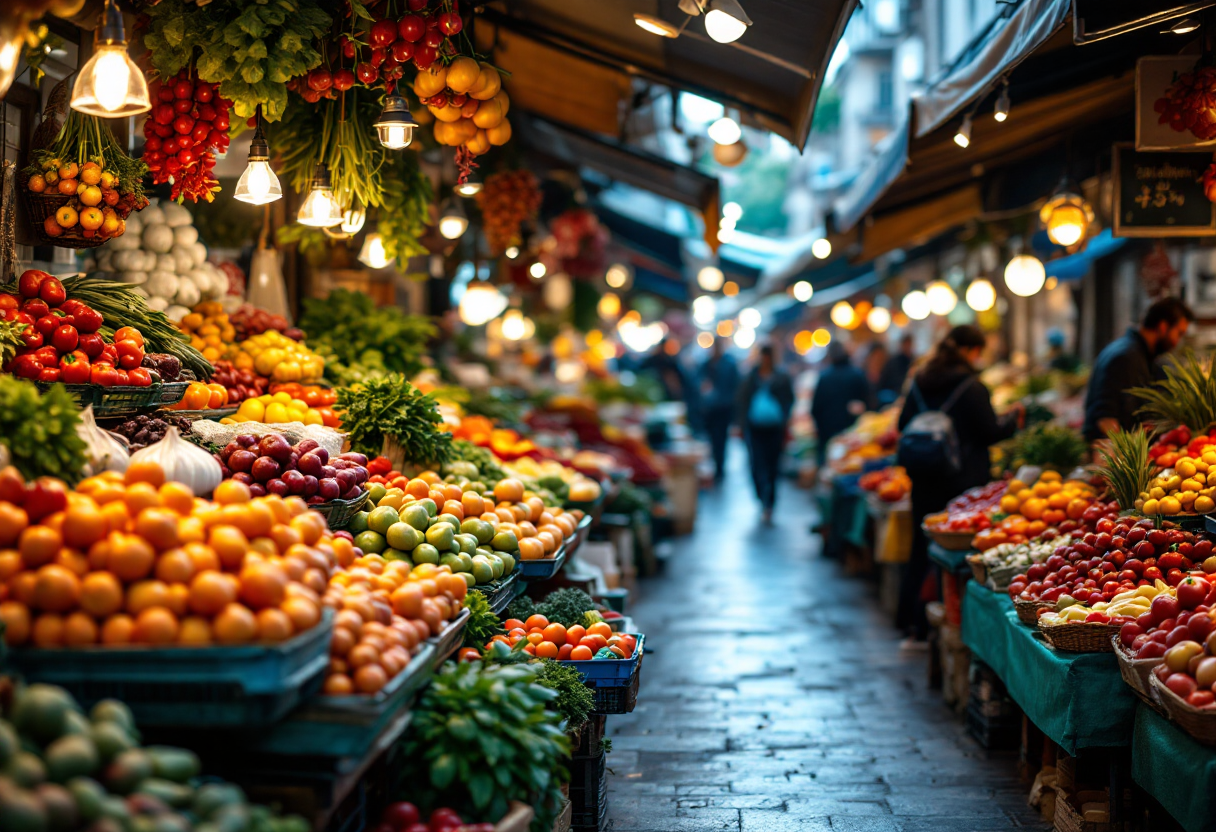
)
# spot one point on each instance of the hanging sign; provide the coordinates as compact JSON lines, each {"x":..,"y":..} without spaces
{"x":1171,"y":104}
{"x":1160,"y":194}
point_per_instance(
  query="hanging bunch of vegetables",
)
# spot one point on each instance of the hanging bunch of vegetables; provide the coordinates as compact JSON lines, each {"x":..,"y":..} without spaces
{"x":507,"y":201}
{"x":84,"y":183}
{"x":187,"y":127}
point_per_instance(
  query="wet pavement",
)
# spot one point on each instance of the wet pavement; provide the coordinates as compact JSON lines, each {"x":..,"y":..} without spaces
{"x":776,"y":697}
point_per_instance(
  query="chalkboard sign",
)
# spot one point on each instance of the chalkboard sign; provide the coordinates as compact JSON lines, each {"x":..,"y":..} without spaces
{"x":1160,"y":194}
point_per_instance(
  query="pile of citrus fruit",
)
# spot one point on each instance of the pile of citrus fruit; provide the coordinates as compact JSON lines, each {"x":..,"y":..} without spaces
{"x":547,"y":640}
{"x":137,"y":560}
{"x":209,"y":329}
{"x":280,"y":408}
{"x":1189,"y":487}
{"x":279,"y":358}
{"x":1030,"y":509}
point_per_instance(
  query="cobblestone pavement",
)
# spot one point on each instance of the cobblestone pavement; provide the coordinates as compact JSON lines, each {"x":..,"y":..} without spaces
{"x":776,"y":698}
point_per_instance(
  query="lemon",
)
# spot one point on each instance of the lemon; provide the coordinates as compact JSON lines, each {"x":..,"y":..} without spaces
{"x":1190,"y":485}
{"x":312,"y":417}
{"x":1185,"y":467}
{"x":276,"y":414}
{"x":1151,"y":507}
{"x":251,"y":410}
{"x":282,"y":397}
{"x":1156,"y":492}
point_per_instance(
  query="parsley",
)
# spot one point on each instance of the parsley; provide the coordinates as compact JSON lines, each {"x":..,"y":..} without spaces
{"x":574,"y":701}
{"x":390,"y":406}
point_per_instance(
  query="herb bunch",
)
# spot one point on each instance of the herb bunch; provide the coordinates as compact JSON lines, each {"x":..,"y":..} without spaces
{"x":483,"y":624}
{"x":574,"y":701}
{"x":390,"y":406}
{"x":566,"y":606}
{"x":39,"y":430}
{"x":356,"y":331}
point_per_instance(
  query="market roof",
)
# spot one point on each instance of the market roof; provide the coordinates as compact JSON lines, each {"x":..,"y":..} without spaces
{"x":555,"y":48}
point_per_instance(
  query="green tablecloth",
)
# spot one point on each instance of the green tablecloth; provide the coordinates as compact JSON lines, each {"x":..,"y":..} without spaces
{"x":949,"y":560}
{"x":1077,"y":699}
{"x":1176,"y":770}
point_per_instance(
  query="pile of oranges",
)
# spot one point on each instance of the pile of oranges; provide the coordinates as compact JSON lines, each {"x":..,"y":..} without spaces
{"x":1049,"y":499}
{"x":133,"y":559}
{"x":209,"y":329}
{"x":97,"y":206}
{"x":547,"y":640}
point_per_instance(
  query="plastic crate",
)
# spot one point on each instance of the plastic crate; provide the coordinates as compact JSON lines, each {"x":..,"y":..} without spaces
{"x":500,"y":593}
{"x":589,"y":793}
{"x":449,"y":641}
{"x":610,"y":672}
{"x":347,"y":726}
{"x":617,"y":700}
{"x":993,"y":733}
{"x":543,"y":569}
{"x":253,"y":685}
{"x":114,"y":402}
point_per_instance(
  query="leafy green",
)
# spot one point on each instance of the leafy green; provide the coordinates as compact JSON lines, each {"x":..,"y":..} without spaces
{"x":575,"y":701}
{"x":566,"y":606}
{"x":483,"y":735}
{"x":630,"y":498}
{"x":483,"y":624}
{"x":521,"y":608}
{"x":391,"y":406}
{"x":405,"y":208}
{"x":353,"y":330}
{"x":487,"y":466}
{"x":251,"y":48}
{"x":1051,"y":445}
{"x":39,"y":430}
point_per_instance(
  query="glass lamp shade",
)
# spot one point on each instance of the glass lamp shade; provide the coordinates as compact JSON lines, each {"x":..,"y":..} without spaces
{"x":258,"y":185}
{"x":320,"y":209}
{"x":395,"y":127}
{"x":1025,"y":275}
{"x":395,"y":136}
{"x":453,"y":222}
{"x":372,"y":254}
{"x":725,"y":20}
{"x":725,"y":131}
{"x":942,"y":299}
{"x":981,"y":296}
{"x":916,"y":305}
{"x":110,"y":85}
{"x":352,"y":221}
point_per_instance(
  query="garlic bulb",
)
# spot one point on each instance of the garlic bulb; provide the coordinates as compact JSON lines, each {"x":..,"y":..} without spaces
{"x":183,"y":462}
{"x":105,"y":452}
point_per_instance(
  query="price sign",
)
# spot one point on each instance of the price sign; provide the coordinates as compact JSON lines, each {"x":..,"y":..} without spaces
{"x":1160,"y":194}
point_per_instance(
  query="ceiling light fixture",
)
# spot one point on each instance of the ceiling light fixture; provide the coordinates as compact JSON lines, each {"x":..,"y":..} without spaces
{"x":981,"y":295}
{"x":710,"y":278}
{"x":320,"y":209}
{"x":725,"y":20}
{"x":963,"y":137}
{"x":1025,"y":275}
{"x":1183,"y":27}
{"x":1067,"y":216}
{"x":258,"y":184}
{"x":395,"y":127}
{"x":725,"y":131}
{"x":821,"y":248}
{"x":1002,"y":103}
{"x":453,"y":222}
{"x":803,"y":291}
{"x":372,"y":254}
{"x":470,"y":187}
{"x":110,"y":85}
{"x":656,"y":26}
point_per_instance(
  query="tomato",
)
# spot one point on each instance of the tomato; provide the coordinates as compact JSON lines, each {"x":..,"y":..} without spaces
{"x":102,"y":375}
{"x":140,"y":377}
{"x":129,"y":333}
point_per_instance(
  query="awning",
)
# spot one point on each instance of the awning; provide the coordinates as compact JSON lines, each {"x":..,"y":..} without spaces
{"x":773,"y":73}
{"x":1076,"y":266}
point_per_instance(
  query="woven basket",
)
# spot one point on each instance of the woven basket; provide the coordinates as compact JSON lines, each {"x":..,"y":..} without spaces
{"x":1136,"y":673}
{"x":979,"y":569}
{"x":1200,"y":724}
{"x":951,"y":541}
{"x":1028,"y":611}
{"x":113,"y":402}
{"x":999,"y":577}
{"x":1079,"y":636}
{"x":1068,"y":819}
{"x":339,"y":513}
{"x":43,"y":205}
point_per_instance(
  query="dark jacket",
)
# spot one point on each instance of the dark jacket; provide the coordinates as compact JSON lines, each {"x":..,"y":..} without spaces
{"x":1125,"y":363}
{"x":719,"y":383}
{"x":782,"y":389}
{"x":975,"y":422}
{"x":894,"y":373}
{"x":839,"y":384}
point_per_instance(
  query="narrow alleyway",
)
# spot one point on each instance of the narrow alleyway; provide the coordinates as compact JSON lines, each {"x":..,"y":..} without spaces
{"x":777,"y":698}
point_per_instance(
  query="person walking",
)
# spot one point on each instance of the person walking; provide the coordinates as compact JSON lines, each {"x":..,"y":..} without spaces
{"x":895,"y":373}
{"x":1128,"y":362}
{"x":841,"y":395}
{"x":949,"y":384}
{"x":765,"y":401}
{"x":719,"y":385}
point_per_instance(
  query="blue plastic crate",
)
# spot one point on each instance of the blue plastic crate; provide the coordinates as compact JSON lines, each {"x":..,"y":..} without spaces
{"x":500,"y":593}
{"x":543,"y":569}
{"x":449,"y":641}
{"x":189,"y":686}
{"x":610,"y":673}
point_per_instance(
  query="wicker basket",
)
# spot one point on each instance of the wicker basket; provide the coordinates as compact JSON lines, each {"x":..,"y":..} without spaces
{"x":952,"y":541}
{"x":1199,"y":723}
{"x":114,"y":402}
{"x":1079,"y":636}
{"x":999,"y":577}
{"x":979,"y":569}
{"x":339,"y":513}
{"x":43,"y":205}
{"x":1136,"y":673}
{"x":1028,"y":611}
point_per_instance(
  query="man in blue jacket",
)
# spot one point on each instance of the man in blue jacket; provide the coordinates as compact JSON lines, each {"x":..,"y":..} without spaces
{"x":719,"y":383}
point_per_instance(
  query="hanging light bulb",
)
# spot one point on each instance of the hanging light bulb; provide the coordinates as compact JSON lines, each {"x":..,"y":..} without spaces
{"x":656,"y":26}
{"x":617,"y":276}
{"x":732,"y":210}
{"x":821,"y":248}
{"x":963,"y":137}
{"x":704,"y":309}
{"x":915,"y":305}
{"x":1067,"y":216}
{"x":1025,"y":275}
{"x":750,"y":318}
{"x":537,"y":270}
{"x":803,"y":291}
{"x":453,"y":222}
{"x":878,"y":320}
{"x":481,"y":303}
{"x":725,"y":20}
{"x":514,"y":325}
{"x":320,"y":209}
{"x":745,"y":337}
{"x":110,"y":85}
{"x":609,"y":305}
{"x":725,"y":131}
{"x":352,"y":220}
{"x":842,"y":314}
{"x":395,"y":126}
{"x":372,"y":253}
{"x":512,"y":252}
{"x":1002,"y":103}
{"x":470,"y":187}
{"x":258,"y":184}
{"x":710,"y":278}
{"x":981,"y":295}
{"x":941,"y":297}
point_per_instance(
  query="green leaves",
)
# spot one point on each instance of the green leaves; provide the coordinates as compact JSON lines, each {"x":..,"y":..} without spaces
{"x":483,"y":624}
{"x":349,"y":325}
{"x":574,"y":701}
{"x":391,"y":406}
{"x":1125,"y":465}
{"x":39,"y":430}
{"x":1186,"y":396}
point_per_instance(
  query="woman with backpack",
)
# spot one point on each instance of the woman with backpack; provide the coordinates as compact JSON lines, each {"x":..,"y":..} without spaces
{"x":947,"y":426}
{"x":765,"y":401}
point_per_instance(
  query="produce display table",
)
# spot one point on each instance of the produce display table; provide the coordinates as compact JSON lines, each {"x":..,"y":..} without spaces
{"x":954,"y":563}
{"x":1079,"y":700}
{"x":1175,"y":769}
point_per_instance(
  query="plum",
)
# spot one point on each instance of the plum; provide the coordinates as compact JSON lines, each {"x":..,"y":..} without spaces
{"x":328,"y":489}
{"x":346,"y":480}
{"x":228,"y":450}
{"x":277,"y":486}
{"x":310,"y":485}
{"x":275,"y":446}
{"x":360,"y":474}
{"x":243,"y":476}
{"x":339,"y":464}
{"x":265,"y":468}
{"x":306,"y":445}
{"x":257,"y":490}
{"x":328,"y":471}
{"x":351,"y":493}
{"x":242,"y":460}
{"x":246,"y":440}
{"x":294,"y":480}
{"x":311,"y":464}
{"x":315,"y":500}
{"x":321,"y":452}
{"x":352,"y":456}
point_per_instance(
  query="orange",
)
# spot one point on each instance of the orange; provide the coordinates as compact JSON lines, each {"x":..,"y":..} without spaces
{"x":555,"y":633}
{"x":274,"y":625}
{"x":13,"y":521}
{"x":178,"y":497}
{"x":564,"y":652}
{"x":10,"y":564}
{"x":472,"y":503}
{"x":79,"y":629}
{"x":575,"y":634}
{"x":178,"y":600}
{"x":547,"y":650}
{"x":407,"y":600}
{"x":509,"y":489}
{"x":230,"y":545}
{"x":16,"y":619}
{"x":130,"y":558}
{"x":599,"y":628}
{"x":527,"y":529}
{"x":56,"y":589}
{"x":531,"y":548}
{"x":303,"y":612}
{"x":262,"y":585}
{"x":100,"y":594}
{"x":1033,"y":508}
{"x":48,"y":631}
{"x":84,"y":525}
{"x":338,"y":684}
{"x":1076,"y":507}
{"x":73,"y":561}
{"x":310,"y":525}
{"x":141,"y":471}
{"x":139,"y":496}
{"x":581,"y":653}
{"x":175,"y":566}
{"x":194,"y":631}
{"x":595,"y":642}
{"x":202,"y":556}
{"x":38,"y":546}
{"x":548,"y":541}
{"x":536,"y":622}
{"x":235,"y":625}
{"x":211,"y":592}
{"x":370,"y":678}
{"x":158,"y":526}
{"x":118,"y":629}
{"x":146,"y":594}
{"x":535,"y":638}
{"x":155,"y":625}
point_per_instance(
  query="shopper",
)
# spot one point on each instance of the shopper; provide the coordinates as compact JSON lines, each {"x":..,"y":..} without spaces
{"x":895,"y":373}
{"x":1058,"y":356}
{"x":875,"y":360}
{"x":841,"y":395}
{"x":1128,"y":362}
{"x":948,"y":383}
{"x":719,"y":383}
{"x":765,"y":401}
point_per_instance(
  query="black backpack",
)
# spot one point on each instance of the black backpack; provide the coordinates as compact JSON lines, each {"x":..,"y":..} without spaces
{"x":928,"y":445}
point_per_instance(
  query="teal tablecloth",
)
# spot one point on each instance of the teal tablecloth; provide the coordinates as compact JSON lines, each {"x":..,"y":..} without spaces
{"x":1077,"y":699}
{"x":1177,"y":771}
{"x":949,"y":560}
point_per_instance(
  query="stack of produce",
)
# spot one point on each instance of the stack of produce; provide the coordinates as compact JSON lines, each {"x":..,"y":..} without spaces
{"x":187,"y":127}
{"x":279,"y":358}
{"x":272,"y":465}
{"x":563,"y":482}
{"x":873,"y":436}
{"x":144,"y":430}
{"x":200,"y":396}
{"x":162,"y":257}
{"x":66,"y":771}
{"x":1177,"y":443}
{"x":360,"y":339}
{"x":280,"y":408}
{"x":1018,"y":556}
{"x":508,"y":201}
{"x":506,"y":443}
{"x":209,"y":329}
{"x":970,"y":511}
{"x":1030,"y":509}
{"x":1124,"y":608}
{"x":1174,"y":615}
{"x":547,"y":640}
{"x":468,"y":103}
{"x":135,"y":559}
{"x":890,"y":484}
{"x":1183,"y":488}
{"x":240,"y":384}
{"x":249,"y":321}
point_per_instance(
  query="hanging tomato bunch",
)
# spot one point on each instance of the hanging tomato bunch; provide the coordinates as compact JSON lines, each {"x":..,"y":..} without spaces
{"x":188,"y":124}
{"x":1185,"y":105}
{"x":507,"y":201}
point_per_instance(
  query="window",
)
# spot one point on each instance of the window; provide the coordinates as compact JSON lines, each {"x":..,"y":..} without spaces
{"x":886,"y":91}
